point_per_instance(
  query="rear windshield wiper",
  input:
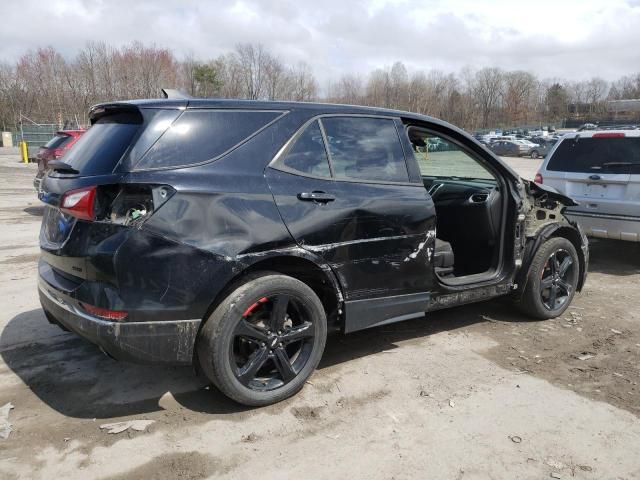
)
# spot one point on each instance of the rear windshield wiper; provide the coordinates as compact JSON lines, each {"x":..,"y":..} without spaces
{"x":614,"y":164}
{"x":62,"y":167}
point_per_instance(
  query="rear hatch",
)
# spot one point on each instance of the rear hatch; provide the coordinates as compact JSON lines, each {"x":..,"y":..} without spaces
{"x":88,"y":183}
{"x":601,"y":171}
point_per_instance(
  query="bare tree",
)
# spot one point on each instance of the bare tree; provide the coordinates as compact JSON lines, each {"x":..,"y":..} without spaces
{"x":519,"y":96}
{"x":348,"y":89}
{"x":302,"y":84}
{"x":487,"y":89}
{"x":251,"y":61}
{"x":596,"y":92}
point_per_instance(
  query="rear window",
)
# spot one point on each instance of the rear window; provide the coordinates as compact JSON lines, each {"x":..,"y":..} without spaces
{"x":308,"y":155}
{"x":365,"y":148}
{"x":99,"y":150}
{"x":201,"y":135}
{"x":597,"y":155}
{"x":58,"y":141}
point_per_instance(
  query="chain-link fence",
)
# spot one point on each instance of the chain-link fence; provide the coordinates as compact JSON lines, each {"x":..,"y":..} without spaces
{"x":37,"y":134}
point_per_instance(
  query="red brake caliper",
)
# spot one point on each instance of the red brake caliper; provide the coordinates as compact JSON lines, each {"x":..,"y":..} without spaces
{"x":249,"y":310}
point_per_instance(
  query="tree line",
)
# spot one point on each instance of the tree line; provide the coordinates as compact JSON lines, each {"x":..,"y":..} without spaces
{"x":45,"y":87}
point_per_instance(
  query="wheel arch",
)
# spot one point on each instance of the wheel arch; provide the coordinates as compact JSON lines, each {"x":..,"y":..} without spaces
{"x":569,"y":231}
{"x":298,"y":264}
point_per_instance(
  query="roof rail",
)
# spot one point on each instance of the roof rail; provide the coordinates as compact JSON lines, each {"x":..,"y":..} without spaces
{"x":170,"y":93}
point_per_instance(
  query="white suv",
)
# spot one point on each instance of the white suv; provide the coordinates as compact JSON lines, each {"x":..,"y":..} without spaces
{"x":600,"y":170}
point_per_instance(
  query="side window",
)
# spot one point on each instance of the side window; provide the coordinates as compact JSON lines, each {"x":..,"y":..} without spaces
{"x":308,"y":155}
{"x":439,"y":157}
{"x":201,"y":135}
{"x":365,"y":148}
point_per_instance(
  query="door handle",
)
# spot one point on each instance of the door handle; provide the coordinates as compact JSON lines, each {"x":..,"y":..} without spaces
{"x":595,"y":177}
{"x":320,"y":197}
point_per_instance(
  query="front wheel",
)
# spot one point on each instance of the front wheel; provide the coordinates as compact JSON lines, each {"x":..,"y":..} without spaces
{"x":264,"y":340}
{"x":534,"y":154}
{"x":551,"y":280}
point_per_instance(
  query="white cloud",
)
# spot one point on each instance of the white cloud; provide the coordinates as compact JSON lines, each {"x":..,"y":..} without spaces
{"x":570,"y":39}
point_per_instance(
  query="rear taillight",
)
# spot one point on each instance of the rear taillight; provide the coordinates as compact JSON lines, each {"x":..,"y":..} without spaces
{"x":105,"y":313}
{"x":57,"y":153}
{"x":79,"y":203}
{"x":608,"y":135}
{"x":538,"y":178}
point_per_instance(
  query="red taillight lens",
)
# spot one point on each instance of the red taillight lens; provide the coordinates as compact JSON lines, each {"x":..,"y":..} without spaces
{"x":538,"y":178}
{"x":57,"y":153}
{"x":608,"y":135}
{"x":107,"y":314}
{"x":79,"y":203}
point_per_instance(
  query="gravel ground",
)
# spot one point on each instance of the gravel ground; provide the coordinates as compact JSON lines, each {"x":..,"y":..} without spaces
{"x":472,"y":392}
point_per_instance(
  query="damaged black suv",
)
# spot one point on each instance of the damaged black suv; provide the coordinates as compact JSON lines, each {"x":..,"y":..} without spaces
{"x":234,"y":235}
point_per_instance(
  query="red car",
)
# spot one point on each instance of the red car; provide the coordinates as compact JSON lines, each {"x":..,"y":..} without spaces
{"x":54,"y":149}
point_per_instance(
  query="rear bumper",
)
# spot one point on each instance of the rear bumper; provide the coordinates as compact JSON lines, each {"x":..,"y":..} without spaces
{"x":161,"y":342}
{"x":616,"y":227}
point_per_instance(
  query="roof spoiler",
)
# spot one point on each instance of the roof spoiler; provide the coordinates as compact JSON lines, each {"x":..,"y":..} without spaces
{"x":172,"y":94}
{"x":103,"y":109}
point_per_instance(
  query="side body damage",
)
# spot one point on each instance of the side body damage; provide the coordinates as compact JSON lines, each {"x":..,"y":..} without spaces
{"x":168,"y":245}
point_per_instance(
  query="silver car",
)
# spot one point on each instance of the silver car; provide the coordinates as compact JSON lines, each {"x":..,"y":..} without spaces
{"x":601,"y":171}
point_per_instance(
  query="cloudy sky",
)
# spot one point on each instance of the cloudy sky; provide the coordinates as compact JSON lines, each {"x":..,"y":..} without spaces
{"x":573,"y":39}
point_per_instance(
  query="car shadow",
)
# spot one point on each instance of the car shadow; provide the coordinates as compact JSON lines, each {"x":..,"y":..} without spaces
{"x":614,"y":257}
{"x":343,"y":348}
{"x":73,"y":377}
{"x":35,"y":211}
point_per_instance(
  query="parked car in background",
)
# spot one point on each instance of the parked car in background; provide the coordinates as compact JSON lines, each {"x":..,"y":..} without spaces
{"x":236,"y":234}
{"x":541,"y":147}
{"x":55,"y":148}
{"x":509,"y":148}
{"x":587,"y":127}
{"x":600,"y":169}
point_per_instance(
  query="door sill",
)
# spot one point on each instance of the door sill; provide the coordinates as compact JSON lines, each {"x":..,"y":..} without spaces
{"x":469,"y":280}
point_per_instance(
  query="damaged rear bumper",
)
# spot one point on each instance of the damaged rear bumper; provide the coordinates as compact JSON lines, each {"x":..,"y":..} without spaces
{"x":160,"y":342}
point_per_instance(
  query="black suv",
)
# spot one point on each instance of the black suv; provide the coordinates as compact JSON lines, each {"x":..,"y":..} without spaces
{"x":234,"y":235}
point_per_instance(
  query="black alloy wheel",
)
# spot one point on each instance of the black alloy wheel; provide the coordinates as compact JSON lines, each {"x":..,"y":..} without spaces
{"x":551,"y":281}
{"x":272,"y":342}
{"x":556,"y":284}
{"x":264,"y":340}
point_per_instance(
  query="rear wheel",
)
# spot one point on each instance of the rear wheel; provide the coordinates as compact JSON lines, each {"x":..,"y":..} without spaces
{"x":535,"y":154}
{"x":552,"y":279}
{"x":264,"y":340}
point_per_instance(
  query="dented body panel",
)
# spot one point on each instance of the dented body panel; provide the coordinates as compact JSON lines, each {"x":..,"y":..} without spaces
{"x":368,"y":255}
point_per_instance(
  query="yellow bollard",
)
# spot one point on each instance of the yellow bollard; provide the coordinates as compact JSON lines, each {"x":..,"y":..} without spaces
{"x":24,"y":151}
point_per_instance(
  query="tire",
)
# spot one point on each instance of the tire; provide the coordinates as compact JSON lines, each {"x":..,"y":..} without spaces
{"x":264,"y":340}
{"x":546,"y":276}
{"x":534,"y":154}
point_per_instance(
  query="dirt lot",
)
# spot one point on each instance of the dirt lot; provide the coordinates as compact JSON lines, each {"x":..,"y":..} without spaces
{"x":473,"y":392}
